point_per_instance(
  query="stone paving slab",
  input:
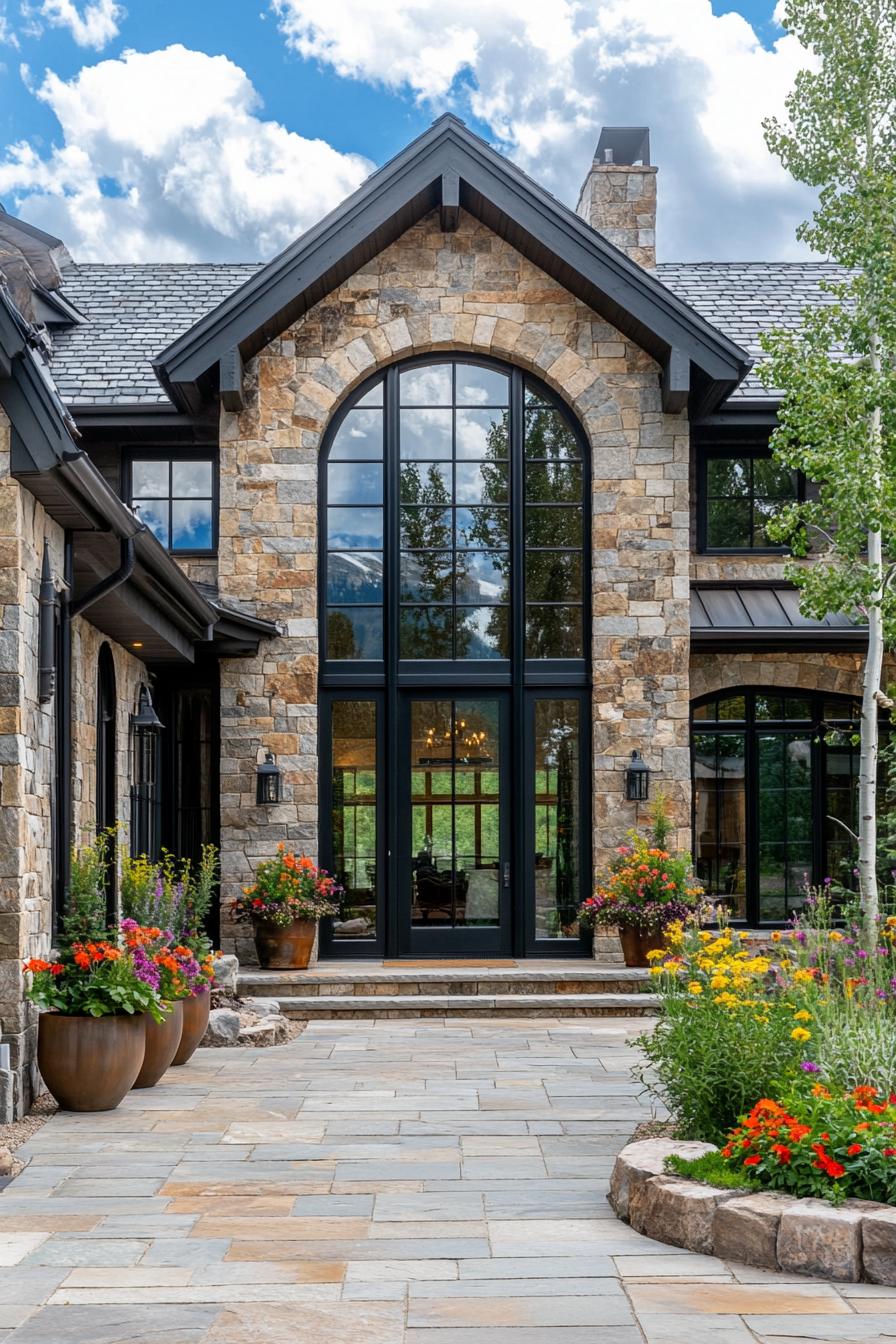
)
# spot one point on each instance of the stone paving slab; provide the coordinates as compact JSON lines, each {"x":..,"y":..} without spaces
{"x":407,"y":1181}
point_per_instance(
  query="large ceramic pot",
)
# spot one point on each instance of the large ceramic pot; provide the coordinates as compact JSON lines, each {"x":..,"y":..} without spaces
{"x":195,"y":1011}
{"x":162,"y":1042}
{"x":284,"y":947}
{"x":90,"y":1063}
{"x":636,"y":943}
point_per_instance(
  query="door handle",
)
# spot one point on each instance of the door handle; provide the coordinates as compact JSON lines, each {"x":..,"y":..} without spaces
{"x":506,"y":876}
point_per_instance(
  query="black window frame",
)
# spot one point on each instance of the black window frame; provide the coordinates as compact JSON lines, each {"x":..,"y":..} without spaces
{"x":816,"y":728}
{"x":728,"y":449}
{"x":170,"y":454}
{"x":386,"y":679}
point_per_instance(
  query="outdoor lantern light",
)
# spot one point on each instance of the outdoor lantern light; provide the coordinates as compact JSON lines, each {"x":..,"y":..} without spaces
{"x":146,"y":721}
{"x":267,"y":780}
{"x":637,"y":778}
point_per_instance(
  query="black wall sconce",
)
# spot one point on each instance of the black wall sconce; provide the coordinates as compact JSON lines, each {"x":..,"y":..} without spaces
{"x":637,"y":779}
{"x":146,"y":721}
{"x":267,"y":781}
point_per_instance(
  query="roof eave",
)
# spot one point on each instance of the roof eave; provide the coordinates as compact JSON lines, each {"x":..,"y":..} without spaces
{"x":389,"y":202}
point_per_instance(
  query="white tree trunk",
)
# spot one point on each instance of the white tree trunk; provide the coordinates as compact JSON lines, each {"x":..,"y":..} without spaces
{"x":870,"y":690}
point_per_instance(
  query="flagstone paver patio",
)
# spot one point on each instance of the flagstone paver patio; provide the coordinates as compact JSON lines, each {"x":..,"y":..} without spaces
{"x":378,"y":1182}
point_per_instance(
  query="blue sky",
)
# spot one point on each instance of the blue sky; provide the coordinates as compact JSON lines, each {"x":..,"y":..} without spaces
{"x":233,"y":125}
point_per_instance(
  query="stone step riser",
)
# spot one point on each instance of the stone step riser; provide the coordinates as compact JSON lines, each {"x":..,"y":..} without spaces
{"x":277,"y":991}
{"x":475,"y":1005}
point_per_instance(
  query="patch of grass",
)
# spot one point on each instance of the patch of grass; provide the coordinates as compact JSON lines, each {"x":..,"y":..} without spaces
{"x":711,"y":1169}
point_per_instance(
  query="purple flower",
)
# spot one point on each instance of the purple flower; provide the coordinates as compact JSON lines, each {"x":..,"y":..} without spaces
{"x":808,"y":1067}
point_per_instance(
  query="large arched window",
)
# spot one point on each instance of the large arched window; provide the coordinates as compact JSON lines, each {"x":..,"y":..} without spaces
{"x":774,"y":791}
{"x":454,"y":561}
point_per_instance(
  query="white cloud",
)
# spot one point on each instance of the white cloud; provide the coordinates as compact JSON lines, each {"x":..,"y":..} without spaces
{"x":8,"y":37}
{"x":93,"y":26}
{"x":193,"y":171}
{"x":544,"y":75}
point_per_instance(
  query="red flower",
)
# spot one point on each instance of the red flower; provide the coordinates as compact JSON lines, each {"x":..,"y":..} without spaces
{"x":751,"y":1161}
{"x":890,"y":1152}
{"x":782,"y":1152}
{"x":853,"y":1150}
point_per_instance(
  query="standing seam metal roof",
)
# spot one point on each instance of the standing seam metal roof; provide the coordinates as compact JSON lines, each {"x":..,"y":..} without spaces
{"x":133,"y":311}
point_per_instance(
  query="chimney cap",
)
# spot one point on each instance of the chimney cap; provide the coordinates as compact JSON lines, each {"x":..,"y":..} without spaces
{"x":627,"y":145}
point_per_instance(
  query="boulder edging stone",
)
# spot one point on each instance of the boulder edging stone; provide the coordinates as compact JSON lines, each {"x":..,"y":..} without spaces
{"x":851,"y":1243}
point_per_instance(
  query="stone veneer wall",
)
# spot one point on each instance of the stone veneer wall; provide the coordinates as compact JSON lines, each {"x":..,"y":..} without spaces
{"x":129,"y":673}
{"x":467,"y":291}
{"x":28,"y":763}
{"x":835,"y":673}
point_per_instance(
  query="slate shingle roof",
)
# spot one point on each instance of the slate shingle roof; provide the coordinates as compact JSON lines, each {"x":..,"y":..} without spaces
{"x":133,"y":311}
{"x":744,"y":299}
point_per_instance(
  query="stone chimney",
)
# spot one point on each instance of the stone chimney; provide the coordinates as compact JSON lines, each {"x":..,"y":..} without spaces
{"x":618,"y":197}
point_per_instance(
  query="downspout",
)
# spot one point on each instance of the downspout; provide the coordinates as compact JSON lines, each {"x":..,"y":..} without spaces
{"x":64,"y":805}
{"x":110,"y":582}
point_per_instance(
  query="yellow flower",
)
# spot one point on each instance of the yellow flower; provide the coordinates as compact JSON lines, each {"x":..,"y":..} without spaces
{"x":695,"y":988}
{"x":800,"y":1034}
{"x":718,"y":982}
{"x":802,"y":1016}
{"x":776,"y":936}
{"x":803,"y":976}
{"x":655,"y":954}
{"x":657,"y":970}
{"x":835,"y":936}
{"x":704,"y":936}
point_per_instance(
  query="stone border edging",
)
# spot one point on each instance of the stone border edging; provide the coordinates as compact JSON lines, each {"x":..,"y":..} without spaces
{"x":854,"y":1242}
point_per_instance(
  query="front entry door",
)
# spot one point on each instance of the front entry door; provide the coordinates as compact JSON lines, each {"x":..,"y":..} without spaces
{"x":454,"y":874}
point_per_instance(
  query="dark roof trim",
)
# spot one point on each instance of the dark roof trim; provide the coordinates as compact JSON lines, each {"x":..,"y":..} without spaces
{"x":236,"y":633}
{"x":47,"y":460}
{"x":501,"y":196}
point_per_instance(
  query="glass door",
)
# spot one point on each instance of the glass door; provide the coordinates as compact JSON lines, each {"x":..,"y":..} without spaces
{"x":454,"y":872}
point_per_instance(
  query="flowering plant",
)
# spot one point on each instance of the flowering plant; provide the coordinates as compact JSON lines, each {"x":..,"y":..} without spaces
{"x":172,"y":971}
{"x":646,"y":887}
{"x":822,"y":1144}
{"x":96,"y":979}
{"x":288,"y":888}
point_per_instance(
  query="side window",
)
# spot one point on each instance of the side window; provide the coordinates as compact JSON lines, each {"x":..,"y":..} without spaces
{"x":176,"y":499}
{"x":740,"y":491}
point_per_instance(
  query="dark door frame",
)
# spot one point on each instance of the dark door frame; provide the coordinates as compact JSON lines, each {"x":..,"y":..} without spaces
{"x":389,"y":679}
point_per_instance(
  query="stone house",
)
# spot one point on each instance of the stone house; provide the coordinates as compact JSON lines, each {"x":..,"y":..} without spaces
{"x":452,"y":514}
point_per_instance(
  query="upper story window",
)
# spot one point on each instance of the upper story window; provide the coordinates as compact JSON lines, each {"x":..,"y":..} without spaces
{"x":176,"y":498}
{"x":739,"y":491}
{"x":455,"y":502}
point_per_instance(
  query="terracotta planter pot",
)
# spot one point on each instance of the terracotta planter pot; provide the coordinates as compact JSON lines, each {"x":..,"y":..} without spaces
{"x":162,"y":1042}
{"x":195,"y":1011}
{"x":636,"y":944}
{"x":90,"y":1063}
{"x":286,"y":948}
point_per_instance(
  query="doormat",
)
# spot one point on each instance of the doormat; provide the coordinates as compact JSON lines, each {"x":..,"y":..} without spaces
{"x":434,"y":963}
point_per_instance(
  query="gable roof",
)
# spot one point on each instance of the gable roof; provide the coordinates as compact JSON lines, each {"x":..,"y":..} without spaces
{"x":131,"y":310}
{"x":450,"y":168}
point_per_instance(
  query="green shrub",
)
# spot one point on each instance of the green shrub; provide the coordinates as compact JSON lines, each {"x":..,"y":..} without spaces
{"x":711,"y":1169}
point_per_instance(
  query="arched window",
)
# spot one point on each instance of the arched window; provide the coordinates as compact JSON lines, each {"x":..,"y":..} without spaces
{"x":454,"y":561}
{"x":774,"y":796}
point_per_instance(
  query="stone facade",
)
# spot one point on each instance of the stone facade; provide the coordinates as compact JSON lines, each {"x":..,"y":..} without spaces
{"x":835,"y":673}
{"x":28,"y":765}
{"x":620,"y":201}
{"x":464,"y":291}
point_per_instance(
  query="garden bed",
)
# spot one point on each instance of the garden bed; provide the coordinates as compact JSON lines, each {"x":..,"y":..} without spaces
{"x":849,"y":1242}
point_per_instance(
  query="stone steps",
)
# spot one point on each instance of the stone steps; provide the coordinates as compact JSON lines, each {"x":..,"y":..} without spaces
{"x":324,"y":981}
{"x":531,"y":989}
{"x":313,"y":1006}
